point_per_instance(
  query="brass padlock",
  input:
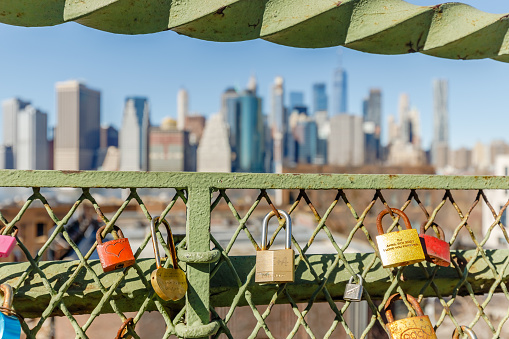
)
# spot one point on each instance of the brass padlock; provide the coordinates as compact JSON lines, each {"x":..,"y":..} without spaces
{"x":275,"y":266}
{"x":168,"y":283}
{"x":413,"y":327}
{"x":466,"y":330}
{"x":398,"y":248}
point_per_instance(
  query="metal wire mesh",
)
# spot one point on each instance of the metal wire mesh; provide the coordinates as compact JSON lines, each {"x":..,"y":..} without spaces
{"x":237,"y":306}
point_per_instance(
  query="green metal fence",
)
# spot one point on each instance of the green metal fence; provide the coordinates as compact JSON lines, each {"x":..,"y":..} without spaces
{"x":221,"y":285}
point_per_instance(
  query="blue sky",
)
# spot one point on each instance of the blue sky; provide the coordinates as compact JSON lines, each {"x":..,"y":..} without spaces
{"x":157,"y":65}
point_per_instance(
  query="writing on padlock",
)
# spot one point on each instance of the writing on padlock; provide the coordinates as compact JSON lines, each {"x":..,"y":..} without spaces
{"x":413,"y":327}
{"x":10,"y":326}
{"x":353,"y":292}
{"x":399,"y":248}
{"x":168,"y":283}
{"x":466,"y":330}
{"x":436,"y":250}
{"x":7,"y":242}
{"x":275,"y":266}
{"x":114,"y":254}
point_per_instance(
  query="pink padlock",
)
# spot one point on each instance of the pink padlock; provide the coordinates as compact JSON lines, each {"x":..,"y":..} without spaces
{"x":7,"y":242}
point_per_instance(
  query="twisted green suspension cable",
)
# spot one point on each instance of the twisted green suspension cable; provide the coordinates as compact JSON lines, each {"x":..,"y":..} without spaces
{"x":451,"y":30}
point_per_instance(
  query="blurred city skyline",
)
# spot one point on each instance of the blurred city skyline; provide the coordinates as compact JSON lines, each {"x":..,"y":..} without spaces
{"x":158,"y":65}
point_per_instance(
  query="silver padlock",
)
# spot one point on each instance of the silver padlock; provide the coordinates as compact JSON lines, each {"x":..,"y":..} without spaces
{"x":353,"y":292}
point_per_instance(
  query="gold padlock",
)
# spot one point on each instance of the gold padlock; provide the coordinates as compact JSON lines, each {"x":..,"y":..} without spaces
{"x":275,"y":266}
{"x":168,"y":283}
{"x":413,"y":327}
{"x":398,"y":248}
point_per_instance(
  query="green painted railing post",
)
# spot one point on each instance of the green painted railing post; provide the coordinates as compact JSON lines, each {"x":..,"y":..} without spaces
{"x":198,"y":240}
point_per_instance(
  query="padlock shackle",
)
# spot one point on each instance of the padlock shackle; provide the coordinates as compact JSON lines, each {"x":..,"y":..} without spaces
{"x":14,"y":234}
{"x":441,"y":235}
{"x":466,"y":330}
{"x":360,"y":279}
{"x":99,"y":238}
{"x":169,"y":242}
{"x":123,"y":329}
{"x":8,"y":295}
{"x":397,"y":296}
{"x":394,"y":210}
{"x":265,"y":228}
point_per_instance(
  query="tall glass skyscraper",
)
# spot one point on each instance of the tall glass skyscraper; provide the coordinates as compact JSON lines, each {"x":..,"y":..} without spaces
{"x":319,"y":98}
{"x":372,"y":114}
{"x":133,"y":141}
{"x":339,"y":92}
{"x":296,"y":100}
{"x":250,"y":139}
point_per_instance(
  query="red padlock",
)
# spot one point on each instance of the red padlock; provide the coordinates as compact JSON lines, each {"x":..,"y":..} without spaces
{"x":7,"y":242}
{"x":114,"y":254}
{"x":436,"y":250}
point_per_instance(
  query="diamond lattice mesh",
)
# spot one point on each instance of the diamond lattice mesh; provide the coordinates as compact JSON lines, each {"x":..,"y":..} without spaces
{"x":333,"y":238}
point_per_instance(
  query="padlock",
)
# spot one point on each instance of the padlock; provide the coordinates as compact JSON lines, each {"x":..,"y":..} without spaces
{"x":114,"y":254}
{"x":436,"y":250}
{"x":10,"y":326}
{"x":413,"y":327}
{"x":168,"y":283}
{"x":122,"y":332}
{"x":353,"y":292}
{"x":466,"y":330}
{"x":398,"y":248}
{"x":7,"y":242}
{"x":275,"y":266}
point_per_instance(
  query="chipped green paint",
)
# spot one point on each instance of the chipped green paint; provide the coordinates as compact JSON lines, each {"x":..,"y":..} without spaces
{"x":450,"y":30}
{"x":207,"y":257}
{"x":17,"y":178}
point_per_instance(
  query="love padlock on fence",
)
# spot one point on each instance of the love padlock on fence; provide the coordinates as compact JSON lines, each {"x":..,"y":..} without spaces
{"x":10,"y":327}
{"x":353,"y":292}
{"x":7,"y":242}
{"x":168,"y":283}
{"x":275,"y":266}
{"x":114,"y":254}
{"x":436,"y":250}
{"x":123,"y":331}
{"x":466,"y":330}
{"x":413,"y":327}
{"x":399,"y":248}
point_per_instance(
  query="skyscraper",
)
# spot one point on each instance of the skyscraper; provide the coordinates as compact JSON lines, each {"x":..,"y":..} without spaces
{"x":214,"y":153}
{"x":440,"y":144}
{"x":32,"y":141}
{"x":296,"y":100}
{"x":404,"y":122}
{"x":372,"y":113}
{"x":250,"y":139}
{"x":278,"y":124}
{"x":169,"y":148}
{"x":10,"y":110}
{"x":182,"y":108}
{"x":278,"y":119}
{"x":319,"y":98}
{"x":346,"y":143}
{"x":77,"y":134}
{"x":229,"y":112}
{"x":339,"y":92}
{"x":134,"y":143}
